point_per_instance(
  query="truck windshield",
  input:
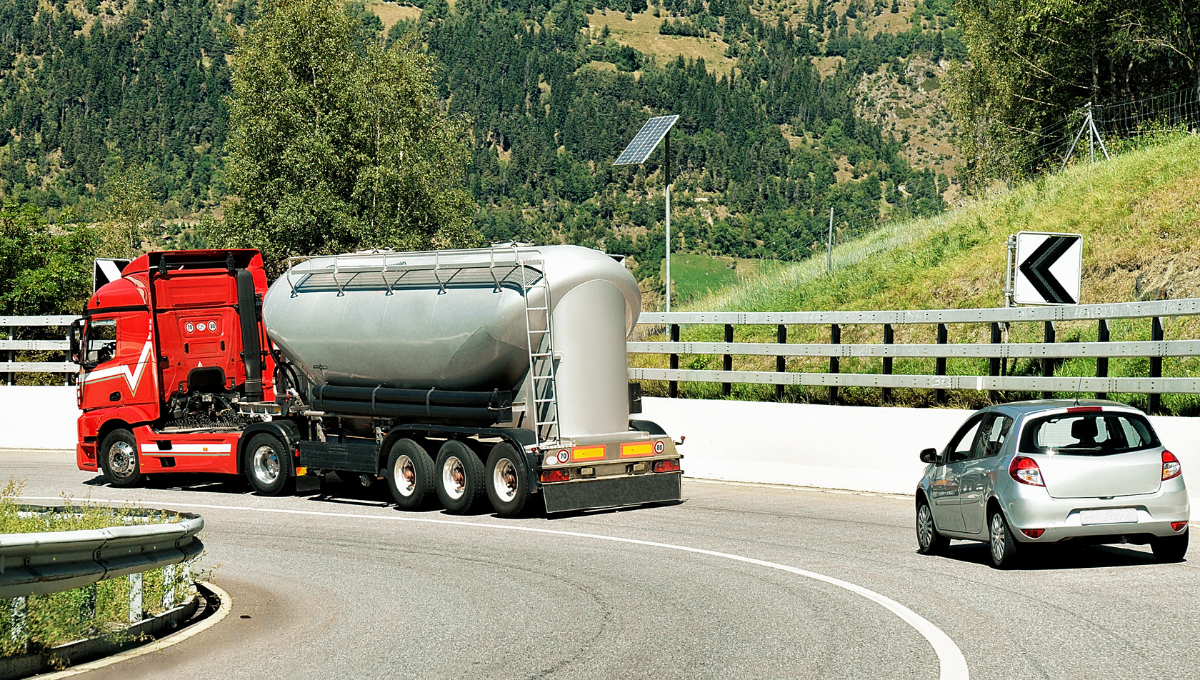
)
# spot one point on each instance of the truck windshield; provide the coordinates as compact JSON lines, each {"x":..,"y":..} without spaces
{"x":100,"y":341}
{"x":1088,"y":434}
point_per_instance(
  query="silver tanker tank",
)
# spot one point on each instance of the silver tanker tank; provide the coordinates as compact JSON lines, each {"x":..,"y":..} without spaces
{"x":458,"y":320}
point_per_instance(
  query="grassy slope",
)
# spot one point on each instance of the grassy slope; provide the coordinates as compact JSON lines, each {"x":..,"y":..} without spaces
{"x":641,"y":33}
{"x":694,"y":276}
{"x":1139,"y":216}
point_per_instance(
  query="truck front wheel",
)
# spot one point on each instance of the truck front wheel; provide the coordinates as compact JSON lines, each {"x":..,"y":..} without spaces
{"x":507,"y":480}
{"x":409,"y":474}
{"x":460,"y":477}
{"x":119,"y":459}
{"x":267,"y":465}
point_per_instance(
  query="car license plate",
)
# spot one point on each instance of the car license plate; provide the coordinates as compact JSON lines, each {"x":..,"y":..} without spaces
{"x":1109,"y":516}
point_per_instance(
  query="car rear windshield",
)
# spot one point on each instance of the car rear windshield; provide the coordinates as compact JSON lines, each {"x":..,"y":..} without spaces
{"x":1088,"y":434}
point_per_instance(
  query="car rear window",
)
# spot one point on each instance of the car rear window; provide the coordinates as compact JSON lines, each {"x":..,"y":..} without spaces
{"x":1088,"y":434}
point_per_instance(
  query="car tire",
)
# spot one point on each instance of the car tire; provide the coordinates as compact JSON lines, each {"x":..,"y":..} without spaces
{"x":1002,"y":547}
{"x":119,"y":459}
{"x":458,"y":477}
{"x":409,"y":474}
{"x":1170,"y":548}
{"x":929,"y":540}
{"x":268,"y":466}
{"x":507,"y":480}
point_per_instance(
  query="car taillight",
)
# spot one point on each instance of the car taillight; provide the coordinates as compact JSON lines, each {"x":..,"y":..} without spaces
{"x":556,"y":476}
{"x":1171,"y":466}
{"x":1178,"y":526}
{"x":1033,"y":533}
{"x":1026,"y":471}
{"x":666,"y":466}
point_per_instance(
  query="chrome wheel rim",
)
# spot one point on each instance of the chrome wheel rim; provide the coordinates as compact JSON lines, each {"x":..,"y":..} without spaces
{"x":504,"y":480}
{"x":997,"y":537}
{"x":924,"y":526}
{"x":454,"y":478}
{"x":405,"y":475}
{"x":121,"y":459}
{"x":265,"y":464}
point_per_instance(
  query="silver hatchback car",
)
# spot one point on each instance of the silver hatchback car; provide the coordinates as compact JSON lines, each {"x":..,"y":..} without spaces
{"x":1041,"y":472}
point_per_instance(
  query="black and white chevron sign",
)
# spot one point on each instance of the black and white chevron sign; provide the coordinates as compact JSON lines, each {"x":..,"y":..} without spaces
{"x":1048,"y":269}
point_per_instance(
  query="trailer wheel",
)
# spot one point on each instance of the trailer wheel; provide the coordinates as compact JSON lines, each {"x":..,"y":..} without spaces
{"x":507,"y":480}
{"x":460,"y":477}
{"x":119,"y":459}
{"x":267,"y":465}
{"x":409,"y":474}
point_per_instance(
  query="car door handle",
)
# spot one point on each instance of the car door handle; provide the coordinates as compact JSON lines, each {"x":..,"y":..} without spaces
{"x":115,"y":396}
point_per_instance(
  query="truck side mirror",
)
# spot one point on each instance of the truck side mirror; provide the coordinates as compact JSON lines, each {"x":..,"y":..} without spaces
{"x":929,"y":456}
{"x":75,"y":338}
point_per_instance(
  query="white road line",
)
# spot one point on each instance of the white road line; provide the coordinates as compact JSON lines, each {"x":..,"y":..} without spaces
{"x":950,"y":658}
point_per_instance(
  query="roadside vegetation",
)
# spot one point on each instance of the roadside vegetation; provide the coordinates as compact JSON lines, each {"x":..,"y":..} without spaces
{"x":101,"y":609}
{"x":1138,"y":216}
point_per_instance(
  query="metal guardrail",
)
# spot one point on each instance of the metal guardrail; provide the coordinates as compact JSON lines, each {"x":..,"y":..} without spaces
{"x":997,"y":351}
{"x":12,"y":345}
{"x":50,"y":562}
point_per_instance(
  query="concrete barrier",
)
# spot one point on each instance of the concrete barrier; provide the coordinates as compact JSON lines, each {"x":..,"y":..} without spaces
{"x":860,"y":448}
{"x":37,"y":417}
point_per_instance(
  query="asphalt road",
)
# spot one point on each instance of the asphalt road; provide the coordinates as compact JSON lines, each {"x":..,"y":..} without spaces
{"x":340,"y":585}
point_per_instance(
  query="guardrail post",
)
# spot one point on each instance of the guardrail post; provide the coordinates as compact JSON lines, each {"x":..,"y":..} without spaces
{"x":87,"y":608}
{"x":1156,"y":335}
{"x":780,"y":361}
{"x":889,"y":337}
{"x":994,"y":364}
{"x":11,"y":357}
{"x":135,"y":597}
{"x":672,"y":386}
{"x":168,"y":598}
{"x":939,"y":395}
{"x":835,"y":338}
{"x":1048,"y":364}
{"x":727,"y":388}
{"x":1102,"y":362}
{"x":20,"y":612}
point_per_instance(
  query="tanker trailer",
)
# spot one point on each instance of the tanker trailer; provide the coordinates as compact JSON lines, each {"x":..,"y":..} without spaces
{"x":459,"y":373}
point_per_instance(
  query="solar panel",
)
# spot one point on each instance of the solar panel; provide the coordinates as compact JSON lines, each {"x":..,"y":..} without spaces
{"x":646,"y":140}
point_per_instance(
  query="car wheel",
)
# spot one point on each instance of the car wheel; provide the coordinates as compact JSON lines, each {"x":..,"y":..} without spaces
{"x":119,"y":459}
{"x":507,"y":480}
{"x":1170,"y":548}
{"x":1001,"y":544}
{"x":929,"y":540}
{"x":268,"y":466}
{"x":459,"y":477}
{"x":409,"y":474}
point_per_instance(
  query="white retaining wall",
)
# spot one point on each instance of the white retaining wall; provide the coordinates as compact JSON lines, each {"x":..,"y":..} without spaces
{"x":861,"y":448}
{"x":37,"y":417}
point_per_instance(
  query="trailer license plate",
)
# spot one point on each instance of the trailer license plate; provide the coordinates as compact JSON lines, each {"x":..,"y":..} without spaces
{"x":1109,"y":516}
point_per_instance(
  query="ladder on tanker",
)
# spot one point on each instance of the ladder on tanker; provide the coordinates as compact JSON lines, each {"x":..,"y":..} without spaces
{"x":542,"y":406}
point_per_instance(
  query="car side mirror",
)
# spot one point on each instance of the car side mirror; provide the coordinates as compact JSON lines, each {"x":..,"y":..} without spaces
{"x":929,"y":456}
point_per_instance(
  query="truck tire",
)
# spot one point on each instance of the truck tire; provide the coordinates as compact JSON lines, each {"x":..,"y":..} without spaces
{"x":119,"y":459}
{"x":409,"y":474}
{"x":268,"y":466}
{"x":507,"y":480}
{"x":459,"y":477}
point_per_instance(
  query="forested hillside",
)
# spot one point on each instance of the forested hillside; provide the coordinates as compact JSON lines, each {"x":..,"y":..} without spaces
{"x":763,"y":148}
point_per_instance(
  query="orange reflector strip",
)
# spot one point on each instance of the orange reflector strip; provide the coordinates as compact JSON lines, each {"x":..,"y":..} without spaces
{"x":637,"y":450}
{"x":587,"y":453}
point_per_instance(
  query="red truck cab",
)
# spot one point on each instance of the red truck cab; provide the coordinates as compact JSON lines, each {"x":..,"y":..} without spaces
{"x":166,"y":354}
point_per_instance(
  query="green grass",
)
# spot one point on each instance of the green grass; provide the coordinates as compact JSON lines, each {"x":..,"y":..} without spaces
{"x":696,"y":276}
{"x":1139,"y":215}
{"x":62,"y":617}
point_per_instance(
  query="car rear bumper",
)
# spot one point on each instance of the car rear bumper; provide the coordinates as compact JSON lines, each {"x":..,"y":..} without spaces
{"x":1061,"y":519}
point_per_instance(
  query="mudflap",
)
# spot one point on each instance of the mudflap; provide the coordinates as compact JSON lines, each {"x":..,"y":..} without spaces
{"x":604,"y":493}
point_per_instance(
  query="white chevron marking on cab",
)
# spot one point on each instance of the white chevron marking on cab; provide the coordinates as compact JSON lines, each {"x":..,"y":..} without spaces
{"x":132,"y":378}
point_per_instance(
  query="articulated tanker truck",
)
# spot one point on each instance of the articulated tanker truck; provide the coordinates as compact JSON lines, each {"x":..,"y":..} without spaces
{"x":452,"y":375}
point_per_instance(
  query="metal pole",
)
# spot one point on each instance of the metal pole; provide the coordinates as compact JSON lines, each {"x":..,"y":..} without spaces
{"x":829,"y":244}
{"x":1073,"y":143}
{"x":1091,"y":138}
{"x":667,"y":152}
{"x":1011,"y":245}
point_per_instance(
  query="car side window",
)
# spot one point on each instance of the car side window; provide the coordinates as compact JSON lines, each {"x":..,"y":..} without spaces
{"x":101,"y":342}
{"x":994,"y":434}
{"x":960,"y":447}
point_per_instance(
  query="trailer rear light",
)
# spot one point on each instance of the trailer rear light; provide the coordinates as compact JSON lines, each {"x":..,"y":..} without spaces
{"x":666,"y":466}
{"x":1026,"y":471}
{"x":1171,"y":466}
{"x":1178,"y":526}
{"x":556,"y":476}
{"x":1033,"y":533}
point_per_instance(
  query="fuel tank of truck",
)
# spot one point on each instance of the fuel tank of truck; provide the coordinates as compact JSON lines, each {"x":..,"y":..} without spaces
{"x":458,"y":320}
